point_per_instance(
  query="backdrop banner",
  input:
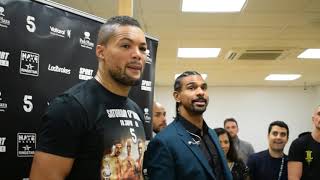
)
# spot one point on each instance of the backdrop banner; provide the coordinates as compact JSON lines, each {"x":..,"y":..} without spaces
{"x":45,"y":49}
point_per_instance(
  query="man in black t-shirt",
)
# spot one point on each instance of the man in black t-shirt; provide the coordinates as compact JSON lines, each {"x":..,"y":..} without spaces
{"x":304,"y":153}
{"x":85,"y":130}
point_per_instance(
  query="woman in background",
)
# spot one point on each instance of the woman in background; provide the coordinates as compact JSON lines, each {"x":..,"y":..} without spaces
{"x":237,"y":167}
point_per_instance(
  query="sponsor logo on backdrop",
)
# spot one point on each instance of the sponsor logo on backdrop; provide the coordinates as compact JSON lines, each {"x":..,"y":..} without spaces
{"x":3,"y":105}
{"x":149,"y":59}
{"x":56,"y":68}
{"x":59,"y":32}
{"x":5,"y":23}
{"x":147,"y":117}
{"x":85,"y":74}
{"x":26,"y":144}
{"x":69,"y":33}
{"x":2,"y":145}
{"x":31,"y":25}
{"x":4,"y":58}
{"x":146,"y":85}
{"x":29,"y":63}
{"x":85,"y":41}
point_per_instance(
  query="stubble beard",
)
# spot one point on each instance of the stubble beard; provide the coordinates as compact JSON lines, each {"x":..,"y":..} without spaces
{"x":120,"y":76}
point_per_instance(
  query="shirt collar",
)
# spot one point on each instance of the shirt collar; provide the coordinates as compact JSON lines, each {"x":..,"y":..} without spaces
{"x":192,"y":128}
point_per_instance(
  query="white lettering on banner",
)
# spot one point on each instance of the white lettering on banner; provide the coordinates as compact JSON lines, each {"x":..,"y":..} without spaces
{"x":146,"y":85}
{"x":5,"y":23}
{"x":2,"y":146}
{"x":85,"y":74}
{"x":26,"y":144}
{"x":31,"y":26}
{"x":29,"y":63}
{"x":57,"y":32}
{"x":147,"y":117}
{"x":4,"y":58}
{"x":58,"y":69}
{"x":149,"y":59}
{"x":3,"y":105}
{"x":85,"y":42}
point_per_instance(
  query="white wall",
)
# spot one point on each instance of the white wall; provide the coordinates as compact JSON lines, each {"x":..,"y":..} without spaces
{"x":254,"y":108}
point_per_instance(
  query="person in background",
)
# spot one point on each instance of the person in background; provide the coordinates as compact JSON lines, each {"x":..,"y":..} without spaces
{"x":159,"y":120}
{"x":238,"y":168}
{"x":304,"y":153}
{"x":244,"y":148}
{"x":80,"y":126}
{"x":187,"y":148}
{"x":271,"y":163}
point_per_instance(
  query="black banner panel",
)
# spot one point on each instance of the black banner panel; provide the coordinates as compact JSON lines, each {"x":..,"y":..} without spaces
{"x":44,"y":50}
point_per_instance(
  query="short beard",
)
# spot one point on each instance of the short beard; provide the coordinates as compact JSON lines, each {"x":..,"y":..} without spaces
{"x":123,"y":79}
{"x":197,"y":111}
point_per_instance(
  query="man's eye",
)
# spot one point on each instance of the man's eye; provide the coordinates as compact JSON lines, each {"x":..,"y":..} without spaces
{"x":144,"y":49}
{"x":126,"y":46}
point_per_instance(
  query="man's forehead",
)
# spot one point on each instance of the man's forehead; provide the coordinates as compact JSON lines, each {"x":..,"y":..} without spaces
{"x":278,"y":129}
{"x":193,"y":79}
{"x":231,"y":123}
{"x":129,"y":33}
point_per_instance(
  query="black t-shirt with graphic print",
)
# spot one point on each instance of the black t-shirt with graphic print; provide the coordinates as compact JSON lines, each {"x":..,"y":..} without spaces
{"x":101,"y":131}
{"x":307,"y":151}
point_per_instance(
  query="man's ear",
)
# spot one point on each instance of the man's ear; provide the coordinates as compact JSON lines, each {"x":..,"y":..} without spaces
{"x":99,"y":52}
{"x":176,"y":96}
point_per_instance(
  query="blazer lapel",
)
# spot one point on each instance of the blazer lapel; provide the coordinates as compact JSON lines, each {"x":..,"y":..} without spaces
{"x":186,"y":138}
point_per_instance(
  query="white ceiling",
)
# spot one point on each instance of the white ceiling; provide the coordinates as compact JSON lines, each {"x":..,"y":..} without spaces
{"x":289,"y":25}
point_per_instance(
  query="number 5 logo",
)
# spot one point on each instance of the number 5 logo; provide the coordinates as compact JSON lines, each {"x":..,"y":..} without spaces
{"x":31,"y":27}
{"x":28,"y":106}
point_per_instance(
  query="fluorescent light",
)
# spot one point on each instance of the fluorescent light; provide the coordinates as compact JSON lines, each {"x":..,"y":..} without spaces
{"x":212,"y":5}
{"x":204,"y":76}
{"x":310,"y":54}
{"x":282,"y":77}
{"x":198,"y":52}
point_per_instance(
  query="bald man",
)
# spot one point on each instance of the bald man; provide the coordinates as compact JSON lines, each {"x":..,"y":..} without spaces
{"x":159,"y":117}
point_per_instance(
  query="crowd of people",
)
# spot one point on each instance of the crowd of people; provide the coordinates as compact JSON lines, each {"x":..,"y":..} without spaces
{"x":83,"y":133}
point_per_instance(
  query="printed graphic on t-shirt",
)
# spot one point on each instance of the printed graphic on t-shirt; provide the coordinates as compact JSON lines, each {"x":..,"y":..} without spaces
{"x":124,"y":145}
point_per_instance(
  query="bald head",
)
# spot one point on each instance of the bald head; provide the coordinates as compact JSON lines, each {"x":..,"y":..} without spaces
{"x":159,"y":117}
{"x":316,"y":119}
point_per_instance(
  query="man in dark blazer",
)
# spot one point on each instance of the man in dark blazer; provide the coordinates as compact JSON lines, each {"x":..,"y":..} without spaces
{"x":187,"y":149}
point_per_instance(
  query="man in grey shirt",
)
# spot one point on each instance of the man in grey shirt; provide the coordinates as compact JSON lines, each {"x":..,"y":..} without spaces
{"x":243,"y":148}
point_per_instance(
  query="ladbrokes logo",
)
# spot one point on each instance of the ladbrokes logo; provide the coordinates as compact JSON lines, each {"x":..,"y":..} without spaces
{"x":59,"y":32}
{"x":146,"y":85}
{"x":26,"y":144}
{"x":2,"y":145}
{"x":4,"y":58}
{"x":3,"y":22}
{"x":85,"y":74}
{"x":85,"y":42}
{"x":29,"y":63}
{"x":59,"y":69}
{"x":3,"y":105}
